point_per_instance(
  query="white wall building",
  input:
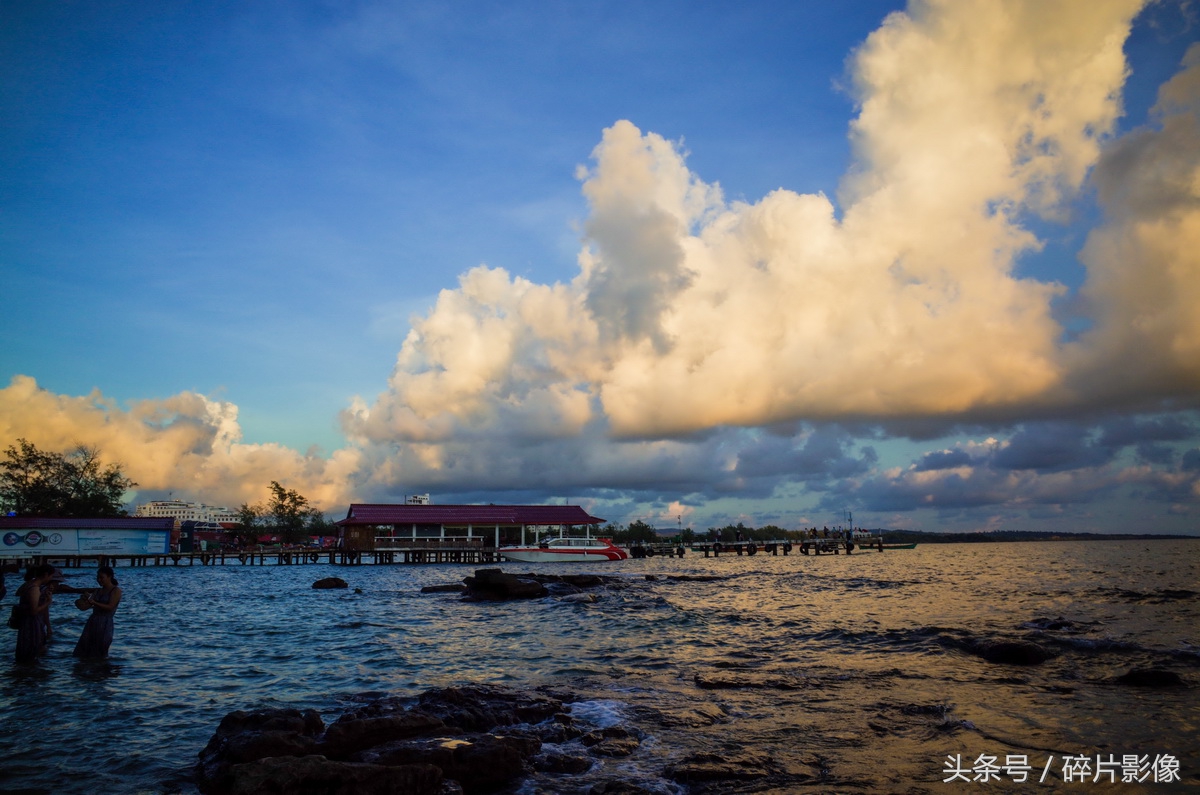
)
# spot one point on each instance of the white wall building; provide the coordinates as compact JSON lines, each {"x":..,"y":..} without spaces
{"x":183,"y":511}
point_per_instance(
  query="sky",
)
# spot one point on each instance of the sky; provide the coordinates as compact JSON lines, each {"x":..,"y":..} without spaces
{"x":936,"y":264}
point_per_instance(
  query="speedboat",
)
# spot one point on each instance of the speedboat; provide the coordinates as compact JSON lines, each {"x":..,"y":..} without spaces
{"x":566,"y":550}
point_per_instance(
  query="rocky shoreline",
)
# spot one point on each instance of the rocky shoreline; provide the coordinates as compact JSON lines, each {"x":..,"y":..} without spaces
{"x":470,"y":738}
{"x":448,"y":741}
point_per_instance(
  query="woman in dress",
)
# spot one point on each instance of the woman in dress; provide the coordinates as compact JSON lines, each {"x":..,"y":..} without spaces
{"x":98,"y":632}
{"x":34,"y":604}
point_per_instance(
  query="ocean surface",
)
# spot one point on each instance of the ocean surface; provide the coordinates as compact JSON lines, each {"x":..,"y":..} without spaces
{"x":848,"y":673}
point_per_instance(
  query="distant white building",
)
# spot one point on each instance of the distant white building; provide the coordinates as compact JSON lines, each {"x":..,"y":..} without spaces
{"x":184,"y":511}
{"x":417,"y":499}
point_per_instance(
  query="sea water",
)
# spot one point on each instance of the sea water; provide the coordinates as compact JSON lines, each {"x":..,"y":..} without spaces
{"x":848,"y":673}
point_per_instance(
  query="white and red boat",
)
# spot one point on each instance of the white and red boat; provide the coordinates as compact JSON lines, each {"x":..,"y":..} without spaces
{"x":563,"y":549}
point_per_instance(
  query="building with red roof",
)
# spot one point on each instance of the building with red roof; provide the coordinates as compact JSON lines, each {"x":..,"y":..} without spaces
{"x":373,"y":526}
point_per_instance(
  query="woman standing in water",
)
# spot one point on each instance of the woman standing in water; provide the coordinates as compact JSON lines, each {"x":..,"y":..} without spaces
{"x":98,"y":632}
{"x":31,"y":634}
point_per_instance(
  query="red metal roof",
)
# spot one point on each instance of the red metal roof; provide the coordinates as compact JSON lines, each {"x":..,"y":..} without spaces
{"x":105,"y":523}
{"x":463,"y":515}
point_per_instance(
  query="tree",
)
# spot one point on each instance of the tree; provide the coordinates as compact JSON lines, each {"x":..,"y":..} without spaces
{"x":318,"y":525}
{"x":290,"y":512}
{"x":248,"y":519}
{"x":636,"y":530}
{"x":38,"y":483}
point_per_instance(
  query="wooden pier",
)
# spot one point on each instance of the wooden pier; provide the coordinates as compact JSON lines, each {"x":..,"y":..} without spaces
{"x":429,"y":552}
{"x":276,"y":557}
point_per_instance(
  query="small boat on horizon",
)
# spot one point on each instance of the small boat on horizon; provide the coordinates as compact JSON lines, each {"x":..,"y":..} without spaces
{"x":566,"y":549}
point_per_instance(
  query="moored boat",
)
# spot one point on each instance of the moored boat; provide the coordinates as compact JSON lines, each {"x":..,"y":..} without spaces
{"x":565,"y":549}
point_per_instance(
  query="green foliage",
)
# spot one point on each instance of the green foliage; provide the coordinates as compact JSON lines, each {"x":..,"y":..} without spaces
{"x":38,"y":483}
{"x":636,"y":530}
{"x":290,"y":513}
{"x":249,"y":518}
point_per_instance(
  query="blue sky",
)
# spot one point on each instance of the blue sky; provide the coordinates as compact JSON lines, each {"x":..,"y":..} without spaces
{"x":235,"y":216}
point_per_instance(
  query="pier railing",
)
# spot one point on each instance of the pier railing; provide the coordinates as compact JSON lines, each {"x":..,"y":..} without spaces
{"x":439,"y":553}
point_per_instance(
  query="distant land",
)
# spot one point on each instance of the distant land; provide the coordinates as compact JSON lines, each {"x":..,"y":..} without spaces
{"x":923,"y":537}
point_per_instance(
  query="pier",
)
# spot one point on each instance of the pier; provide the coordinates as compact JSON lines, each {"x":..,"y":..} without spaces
{"x":273,"y":557}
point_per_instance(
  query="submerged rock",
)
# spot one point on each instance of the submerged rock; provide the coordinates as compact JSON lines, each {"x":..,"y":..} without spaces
{"x":455,"y":587}
{"x":615,"y":741}
{"x":751,"y":680}
{"x":733,"y":766}
{"x":331,"y":582}
{"x":562,"y":762}
{"x":1012,"y":652}
{"x":493,"y":585}
{"x":1151,"y":677}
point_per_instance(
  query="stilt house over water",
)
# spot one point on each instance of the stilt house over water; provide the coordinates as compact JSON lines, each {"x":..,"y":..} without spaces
{"x":382,"y":527}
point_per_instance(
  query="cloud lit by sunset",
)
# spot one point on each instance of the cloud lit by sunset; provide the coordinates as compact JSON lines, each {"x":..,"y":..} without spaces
{"x":989,"y":318}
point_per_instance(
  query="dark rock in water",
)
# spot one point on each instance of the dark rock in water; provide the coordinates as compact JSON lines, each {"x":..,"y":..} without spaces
{"x":746,"y":680}
{"x":493,"y":585}
{"x":478,"y":762}
{"x":459,"y":740}
{"x":1151,"y":677}
{"x":614,"y":741}
{"x":346,"y":737}
{"x":560,"y":762}
{"x":939,"y":711}
{"x":620,"y":788}
{"x":331,"y":582}
{"x":1012,"y":652}
{"x":583,"y":580}
{"x":450,"y":588}
{"x":248,"y":736}
{"x":481,"y":708}
{"x":320,"y":776}
{"x":734,"y":766}
{"x":563,"y":589}
{"x":692,"y":717}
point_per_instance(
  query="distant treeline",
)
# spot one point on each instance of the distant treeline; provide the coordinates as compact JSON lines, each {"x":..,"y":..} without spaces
{"x":921,"y":537}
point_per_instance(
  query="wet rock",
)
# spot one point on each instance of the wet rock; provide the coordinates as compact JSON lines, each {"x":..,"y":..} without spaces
{"x":583,"y":580}
{"x":1012,"y":652}
{"x":330,"y":582}
{"x":1053,"y":624}
{"x":580,"y":598}
{"x":482,"y":708}
{"x":744,"y":680}
{"x":317,"y":775}
{"x":493,"y":585}
{"x":561,"y":589}
{"x":614,"y":741}
{"x":346,"y":737}
{"x":478,"y":762}
{"x":449,"y":588}
{"x":620,"y":788}
{"x":693,"y":717}
{"x":245,"y":737}
{"x":476,"y":738}
{"x":562,"y":762}
{"x":1151,"y":677}
{"x":734,"y":766}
